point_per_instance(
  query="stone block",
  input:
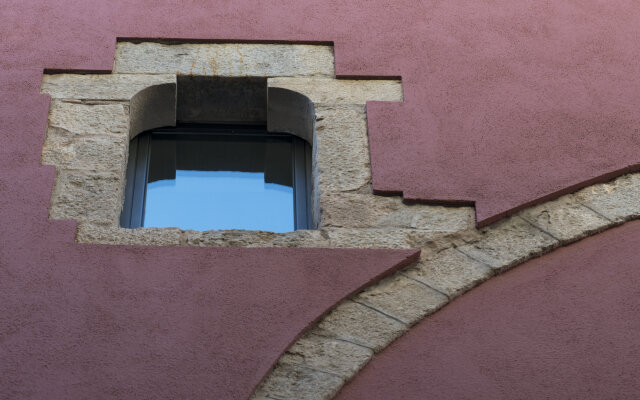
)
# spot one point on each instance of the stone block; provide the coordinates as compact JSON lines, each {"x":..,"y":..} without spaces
{"x":403,"y":298}
{"x":84,"y":119}
{"x":508,"y":243}
{"x":361,"y":325}
{"x":300,"y":238}
{"x":356,"y":210}
{"x":100,"y":86}
{"x":430,"y":217}
{"x":380,"y":237}
{"x":292,"y":381}
{"x":224,"y":59}
{"x":327,"y":354}
{"x":89,"y":197}
{"x":88,"y":233}
{"x":353,"y":210}
{"x":229,"y":238}
{"x":449,"y":270}
{"x":341,"y":91}
{"x":618,"y":200}
{"x":565,"y":219}
{"x":91,"y":153}
{"x":342,"y":149}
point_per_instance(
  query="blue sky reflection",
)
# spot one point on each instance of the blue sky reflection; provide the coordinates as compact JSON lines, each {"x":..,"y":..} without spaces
{"x":204,"y":200}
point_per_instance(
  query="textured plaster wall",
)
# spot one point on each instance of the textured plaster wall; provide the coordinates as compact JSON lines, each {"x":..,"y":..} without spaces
{"x":505,"y":103}
{"x":497,"y":94}
{"x":563,"y":326}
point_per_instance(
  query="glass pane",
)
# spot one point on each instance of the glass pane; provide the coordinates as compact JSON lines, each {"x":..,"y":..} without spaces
{"x":205,"y":182}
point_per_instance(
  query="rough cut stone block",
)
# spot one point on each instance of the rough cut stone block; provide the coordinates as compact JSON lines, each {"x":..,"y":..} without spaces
{"x":431,"y":218}
{"x":88,"y":233}
{"x":449,"y":271}
{"x":380,"y":237}
{"x":508,"y":243}
{"x":565,"y":219}
{"x":403,"y":298}
{"x":352,"y":210}
{"x":225,"y":59}
{"x":241,"y":238}
{"x":100,"y":86}
{"x":618,"y":200}
{"x":361,"y":325}
{"x":341,"y":91}
{"x":342,"y":149}
{"x":356,"y":210}
{"x":290,"y":381}
{"x":229,"y":238}
{"x":84,"y":119}
{"x":327,"y":354}
{"x":301,"y":238}
{"x":89,"y":197}
{"x":92,"y":153}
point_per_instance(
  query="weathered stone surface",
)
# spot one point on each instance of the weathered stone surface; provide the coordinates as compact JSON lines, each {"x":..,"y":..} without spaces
{"x":342,"y":149}
{"x":341,"y":91}
{"x":242,"y":238}
{"x":100,"y":86}
{"x":229,"y":238}
{"x":379,"y":237}
{"x":90,"y":233}
{"x":449,"y":271}
{"x":225,"y":59}
{"x":403,"y":298}
{"x":327,"y":354}
{"x":90,"y":197}
{"x":94,"y":153}
{"x":509,"y":242}
{"x":355,"y":210}
{"x":432,"y":218}
{"x":83,"y":119}
{"x":565,"y":219}
{"x":361,"y":325}
{"x":300,"y":238}
{"x":260,"y":395}
{"x":296,"y":382}
{"x":618,"y":200}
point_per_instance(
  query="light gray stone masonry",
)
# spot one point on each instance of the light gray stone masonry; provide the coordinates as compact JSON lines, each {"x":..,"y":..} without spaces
{"x":225,"y":59}
{"x":99,"y":87}
{"x":87,"y":140}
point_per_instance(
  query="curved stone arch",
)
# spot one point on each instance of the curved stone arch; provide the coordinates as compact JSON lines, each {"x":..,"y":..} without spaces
{"x":317,"y":365}
{"x":286,"y":110}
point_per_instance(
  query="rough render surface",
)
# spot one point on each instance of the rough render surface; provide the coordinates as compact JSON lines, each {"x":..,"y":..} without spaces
{"x":466,"y":127}
{"x":96,"y":321}
{"x":497,"y":94}
{"x":564,"y":326}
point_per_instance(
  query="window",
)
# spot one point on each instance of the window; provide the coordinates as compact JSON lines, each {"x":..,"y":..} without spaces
{"x":202,"y":177}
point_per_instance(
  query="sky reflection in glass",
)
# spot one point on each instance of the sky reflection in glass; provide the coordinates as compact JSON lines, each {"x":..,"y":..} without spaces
{"x":204,"y":200}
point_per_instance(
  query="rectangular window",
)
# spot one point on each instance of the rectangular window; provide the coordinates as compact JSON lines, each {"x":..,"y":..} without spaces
{"x":217,"y":177}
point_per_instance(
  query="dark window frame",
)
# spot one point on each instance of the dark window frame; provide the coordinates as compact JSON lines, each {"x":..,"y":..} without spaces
{"x":132,"y":215}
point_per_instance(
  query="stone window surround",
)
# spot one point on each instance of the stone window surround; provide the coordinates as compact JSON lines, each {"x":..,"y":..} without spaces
{"x":92,"y":118}
{"x":455,"y":256}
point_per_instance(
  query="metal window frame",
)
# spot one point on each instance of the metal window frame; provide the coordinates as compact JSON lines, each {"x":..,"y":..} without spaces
{"x":132,"y":215}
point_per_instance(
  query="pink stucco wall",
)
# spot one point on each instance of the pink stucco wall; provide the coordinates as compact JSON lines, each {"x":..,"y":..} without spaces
{"x":505,"y":103}
{"x":564,"y":326}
